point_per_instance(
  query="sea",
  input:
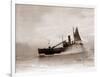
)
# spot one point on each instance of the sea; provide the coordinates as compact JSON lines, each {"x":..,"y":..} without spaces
{"x":75,"y":59}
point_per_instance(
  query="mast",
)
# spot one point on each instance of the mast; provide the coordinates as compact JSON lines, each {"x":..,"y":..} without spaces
{"x":49,"y":43}
{"x":73,"y":34}
{"x":62,"y":37}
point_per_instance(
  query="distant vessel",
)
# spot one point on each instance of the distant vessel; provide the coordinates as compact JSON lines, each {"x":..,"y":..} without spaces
{"x":54,"y":50}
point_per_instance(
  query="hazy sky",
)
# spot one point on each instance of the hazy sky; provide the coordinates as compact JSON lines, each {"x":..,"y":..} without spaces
{"x":38,"y":24}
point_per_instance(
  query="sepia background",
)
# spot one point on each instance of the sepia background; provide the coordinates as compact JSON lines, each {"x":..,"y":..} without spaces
{"x":36,"y":25}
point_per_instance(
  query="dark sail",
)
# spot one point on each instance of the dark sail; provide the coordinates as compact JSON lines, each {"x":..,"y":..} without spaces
{"x":76,"y":35}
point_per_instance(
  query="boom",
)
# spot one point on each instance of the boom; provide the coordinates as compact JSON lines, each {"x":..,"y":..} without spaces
{"x":58,"y":44}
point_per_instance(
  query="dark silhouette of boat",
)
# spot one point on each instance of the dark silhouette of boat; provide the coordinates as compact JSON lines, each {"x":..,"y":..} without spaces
{"x":65,"y":44}
{"x":50,"y":51}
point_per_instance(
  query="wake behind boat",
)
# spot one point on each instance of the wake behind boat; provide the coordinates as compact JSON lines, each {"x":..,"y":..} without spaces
{"x":65,"y":44}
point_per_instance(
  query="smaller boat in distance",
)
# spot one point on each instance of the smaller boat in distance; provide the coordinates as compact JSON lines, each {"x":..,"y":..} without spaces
{"x":65,"y":44}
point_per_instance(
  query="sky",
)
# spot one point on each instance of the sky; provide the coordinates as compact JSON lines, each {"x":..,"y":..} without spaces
{"x":37,"y":24}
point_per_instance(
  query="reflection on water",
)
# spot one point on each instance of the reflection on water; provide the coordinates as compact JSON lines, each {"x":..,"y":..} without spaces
{"x":75,"y":56}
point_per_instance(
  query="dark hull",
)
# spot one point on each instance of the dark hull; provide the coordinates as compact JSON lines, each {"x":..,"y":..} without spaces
{"x":48,"y":51}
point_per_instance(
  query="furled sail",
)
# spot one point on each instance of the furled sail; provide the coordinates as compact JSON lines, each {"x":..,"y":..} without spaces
{"x":76,"y":35}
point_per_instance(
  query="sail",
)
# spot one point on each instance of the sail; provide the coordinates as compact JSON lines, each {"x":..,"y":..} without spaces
{"x":76,"y":35}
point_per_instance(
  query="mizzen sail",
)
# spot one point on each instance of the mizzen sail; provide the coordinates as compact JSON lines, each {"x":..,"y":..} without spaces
{"x":76,"y":35}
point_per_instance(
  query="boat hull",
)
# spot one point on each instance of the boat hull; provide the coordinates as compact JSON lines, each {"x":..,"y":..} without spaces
{"x":51,"y":51}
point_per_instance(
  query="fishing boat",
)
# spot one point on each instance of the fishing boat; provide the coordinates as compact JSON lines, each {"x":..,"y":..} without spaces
{"x":65,"y":44}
